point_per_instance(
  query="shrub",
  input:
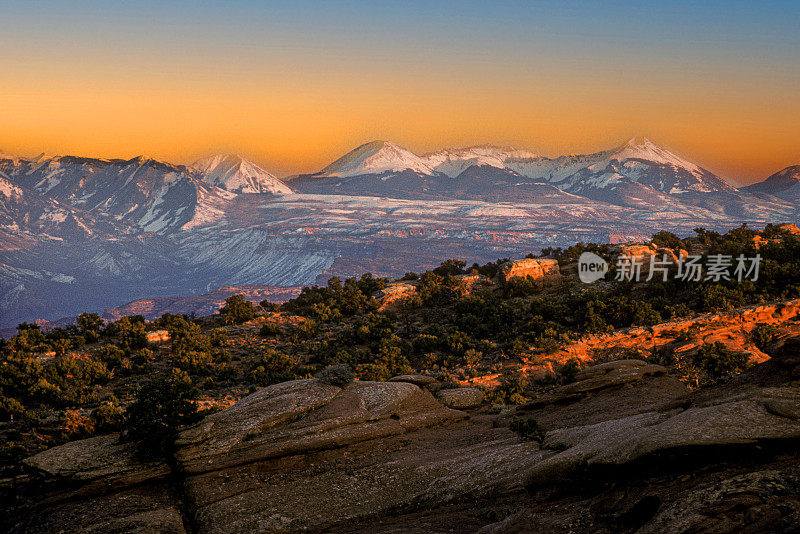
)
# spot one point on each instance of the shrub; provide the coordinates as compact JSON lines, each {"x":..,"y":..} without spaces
{"x":237,"y":310}
{"x":336,"y":375}
{"x":75,"y":424}
{"x":511,"y":389}
{"x":763,"y":335}
{"x":131,"y":332}
{"x":162,"y":407}
{"x":10,"y":408}
{"x":270,"y":330}
{"x":570,"y":370}
{"x":273,"y":368}
{"x":89,"y":325}
{"x":270,"y":306}
{"x":373,"y":371}
{"x":107,"y":417}
{"x":527,"y":429}
{"x":718,"y":361}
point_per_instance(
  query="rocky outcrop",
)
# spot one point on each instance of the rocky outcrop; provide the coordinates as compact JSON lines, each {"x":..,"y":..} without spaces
{"x":543,"y":271}
{"x":99,"y":485}
{"x":306,"y":415}
{"x":645,"y":254}
{"x":600,"y":377}
{"x":750,"y":417}
{"x":461,"y":398}
{"x":395,"y":294}
{"x":389,"y":457}
{"x":101,"y":460}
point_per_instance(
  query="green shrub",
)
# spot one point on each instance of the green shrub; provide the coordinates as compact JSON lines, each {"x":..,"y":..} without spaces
{"x":237,"y":310}
{"x":272,"y":368}
{"x":763,"y":335}
{"x":162,"y":407}
{"x":107,"y":417}
{"x":570,"y":370}
{"x":718,"y":361}
{"x":270,"y":330}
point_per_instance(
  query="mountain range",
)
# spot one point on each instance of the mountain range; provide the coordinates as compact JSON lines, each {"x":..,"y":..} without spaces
{"x":86,"y":234}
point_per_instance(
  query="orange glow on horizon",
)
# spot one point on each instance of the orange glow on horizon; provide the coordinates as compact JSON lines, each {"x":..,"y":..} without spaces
{"x":295,"y":118}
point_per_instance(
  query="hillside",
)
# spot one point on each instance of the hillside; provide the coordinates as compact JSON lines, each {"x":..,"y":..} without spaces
{"x":496,"y":394}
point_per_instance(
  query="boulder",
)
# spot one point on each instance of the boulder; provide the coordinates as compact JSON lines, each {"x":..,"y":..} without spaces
{"x":461,"y":398}
{"x":140,"y":509}
{"x":417,"y":380}
{"x":157,"y":336}
{"x":306,"y":415}
{"x":750,"y":502}
{"x":542,"y":270}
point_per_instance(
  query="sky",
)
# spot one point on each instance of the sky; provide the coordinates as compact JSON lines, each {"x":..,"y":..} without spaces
{"x":294,"y":85}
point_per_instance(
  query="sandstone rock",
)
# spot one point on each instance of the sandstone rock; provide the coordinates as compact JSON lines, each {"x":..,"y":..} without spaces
{"x":150,"y":509}
{"x":394,"y":294}
{"x":417,"y":380}
{"x":157,"y":336}
{"x":544,"y":271}
{"x":101,"y":458}
{"x":645,"y":254}
{"x":603,"y":368}
{"x":791,"y":228}
{"x":425,"y":469}
{"x":306,"y":415}
{"x":745,"y":418}
{"x":600,"y":377}
{"x":460,"y":398}
{"x":751,"y":502}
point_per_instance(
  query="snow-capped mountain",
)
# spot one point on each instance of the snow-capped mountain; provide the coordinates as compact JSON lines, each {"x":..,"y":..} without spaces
{"x":638,"y":173}
{"x":143,"y":192}
{"x":82,"y":234}
{"x":643,"y":162}
{"x":783,"y":184}
{"x":377,"y":157}
{"x":454,"y":161}
{"x":238,"y":175}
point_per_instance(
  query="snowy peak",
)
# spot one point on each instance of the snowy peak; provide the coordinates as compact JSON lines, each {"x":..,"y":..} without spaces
{"x":377,"y":157}
{"x":454,"y":161}
{"x":645,"y":149}
{"x":649,"y":164}
{"x":238,"y":175}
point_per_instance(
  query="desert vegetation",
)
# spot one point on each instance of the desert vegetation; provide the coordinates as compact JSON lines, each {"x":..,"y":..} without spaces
{"x":95,"y":377}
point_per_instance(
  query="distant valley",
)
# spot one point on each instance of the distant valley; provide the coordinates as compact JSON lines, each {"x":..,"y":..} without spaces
{"x":84,"y":234}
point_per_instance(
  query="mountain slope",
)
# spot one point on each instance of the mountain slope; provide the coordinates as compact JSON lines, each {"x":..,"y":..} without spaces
{"x":238,"y":175}
{"x":642,"y":161}
{"x":783,"y":184}
{"x":143,"y":192}
{"x":454,"y":161}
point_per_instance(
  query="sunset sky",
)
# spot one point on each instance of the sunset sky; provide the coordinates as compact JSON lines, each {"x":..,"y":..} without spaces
{"x":294,"y":85}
